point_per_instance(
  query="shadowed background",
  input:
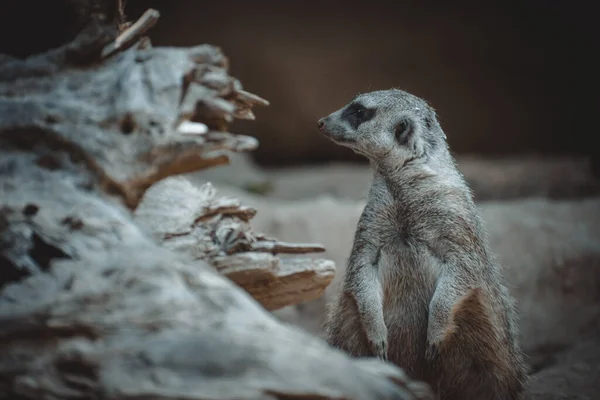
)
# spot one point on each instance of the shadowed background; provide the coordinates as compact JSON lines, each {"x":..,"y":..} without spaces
{"x":505,"y":77}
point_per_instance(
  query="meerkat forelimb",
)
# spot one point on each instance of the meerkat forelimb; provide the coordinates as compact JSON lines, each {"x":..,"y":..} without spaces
{"x":366,"y":291}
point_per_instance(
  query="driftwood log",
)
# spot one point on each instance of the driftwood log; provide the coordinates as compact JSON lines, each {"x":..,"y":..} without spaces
{"x":194,"y":221}
{"x":118,"y":282}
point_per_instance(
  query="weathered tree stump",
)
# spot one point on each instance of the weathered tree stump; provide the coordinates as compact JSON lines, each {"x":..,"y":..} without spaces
{"x":113,"y":285}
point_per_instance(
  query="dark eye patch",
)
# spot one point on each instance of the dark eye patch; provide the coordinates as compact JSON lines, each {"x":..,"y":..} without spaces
{"x":357,"y":114}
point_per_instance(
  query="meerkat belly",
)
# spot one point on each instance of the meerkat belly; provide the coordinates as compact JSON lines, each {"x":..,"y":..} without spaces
{"x":408,"y":283}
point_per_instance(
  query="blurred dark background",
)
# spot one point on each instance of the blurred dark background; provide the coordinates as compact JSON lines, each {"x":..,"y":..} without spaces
{"x":505,"y":77}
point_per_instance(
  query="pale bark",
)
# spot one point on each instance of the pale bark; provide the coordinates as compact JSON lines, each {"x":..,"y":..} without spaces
{"x":99,"y":302}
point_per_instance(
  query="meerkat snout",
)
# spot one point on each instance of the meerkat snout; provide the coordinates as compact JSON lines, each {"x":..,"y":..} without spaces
{"x":321,"y":124}
{"x":331,"y":128}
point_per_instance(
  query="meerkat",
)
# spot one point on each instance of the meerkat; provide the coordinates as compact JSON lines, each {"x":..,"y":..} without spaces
{"x":422,"y":288}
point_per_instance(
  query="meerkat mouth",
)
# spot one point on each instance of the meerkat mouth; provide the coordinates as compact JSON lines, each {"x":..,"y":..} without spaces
{"x":342,"y":140}
{"x":337,"y":138}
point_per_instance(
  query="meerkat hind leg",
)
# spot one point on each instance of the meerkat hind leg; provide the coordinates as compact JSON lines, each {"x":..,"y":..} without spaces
{"x":466,"y":350}
{"x":450,"y":312}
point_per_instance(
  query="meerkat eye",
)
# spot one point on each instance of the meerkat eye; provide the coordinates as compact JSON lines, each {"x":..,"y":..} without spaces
{"x":404,"y":129}
{"x":357,"y":114}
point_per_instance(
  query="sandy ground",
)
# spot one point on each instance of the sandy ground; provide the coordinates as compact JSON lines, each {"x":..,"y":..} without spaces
{"x":543,"y":221}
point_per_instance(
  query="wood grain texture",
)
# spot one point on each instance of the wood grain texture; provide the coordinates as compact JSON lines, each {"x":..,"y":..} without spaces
{"x":114,"y":277}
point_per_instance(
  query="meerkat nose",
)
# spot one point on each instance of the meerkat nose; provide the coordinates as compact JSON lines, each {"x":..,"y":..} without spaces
{"x":321,"y":124}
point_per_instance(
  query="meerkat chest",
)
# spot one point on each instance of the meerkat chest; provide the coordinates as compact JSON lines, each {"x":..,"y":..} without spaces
{"x":408,"y":283}
{"x":408,"y":275}
{"x":405,"y":265}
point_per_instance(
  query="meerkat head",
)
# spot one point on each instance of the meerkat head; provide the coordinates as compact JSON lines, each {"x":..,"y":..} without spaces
{"x":385,"y":124}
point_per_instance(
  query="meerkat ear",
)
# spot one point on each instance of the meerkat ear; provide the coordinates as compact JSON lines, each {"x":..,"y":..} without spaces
{"x":403,"y":131}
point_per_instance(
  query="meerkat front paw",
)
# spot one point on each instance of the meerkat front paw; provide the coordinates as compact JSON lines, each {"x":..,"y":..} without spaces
{"x":378,"y":342}
{"x":379,"y":349}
